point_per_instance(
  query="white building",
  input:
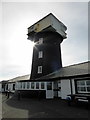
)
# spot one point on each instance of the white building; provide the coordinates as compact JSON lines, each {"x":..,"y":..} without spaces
{"x":72,"y":79}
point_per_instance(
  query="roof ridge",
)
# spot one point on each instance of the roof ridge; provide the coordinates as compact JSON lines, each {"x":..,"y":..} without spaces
{"x":76,"y":64}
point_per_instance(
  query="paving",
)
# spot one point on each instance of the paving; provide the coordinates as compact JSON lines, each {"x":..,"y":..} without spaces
{"x":40,"y":108}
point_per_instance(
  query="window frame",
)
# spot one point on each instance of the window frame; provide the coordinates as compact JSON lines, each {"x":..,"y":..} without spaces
{"x":81,"y":87}
{"x":42,"y":85}
{"x":40,"y":41}
{"x":49,"y":85}
{"x":28,"y":85}
{"x":23,"y":85}
{"x":37,"y":83}
{"x":40,"y":54}
{"x":32,"y":85}
{"x":39,"y":69}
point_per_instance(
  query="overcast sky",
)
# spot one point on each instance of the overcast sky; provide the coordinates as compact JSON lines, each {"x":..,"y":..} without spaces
{"x":16,"y":50}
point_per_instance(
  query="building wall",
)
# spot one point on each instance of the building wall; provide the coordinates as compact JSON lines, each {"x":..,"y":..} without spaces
{"x":82,"y":85}
{"x":30,"y":86}
{"x":73,"y":86}
{"x":55,"y":86}
{"x":59,"y":88}
{"x":11,"y":87}
{"x":49,"y":87}
{"x":49,"y":90}
{"x":51,"y":59}
{"x":65,"y":88}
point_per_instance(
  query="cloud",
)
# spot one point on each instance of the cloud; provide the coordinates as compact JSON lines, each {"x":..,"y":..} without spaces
{"x":16,"y":55}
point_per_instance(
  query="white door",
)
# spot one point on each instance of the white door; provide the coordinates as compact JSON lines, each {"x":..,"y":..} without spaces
{"x":49,"y":90}
{"x":59,"y":93}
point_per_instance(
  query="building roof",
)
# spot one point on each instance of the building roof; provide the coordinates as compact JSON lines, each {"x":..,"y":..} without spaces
{"x":70,"y":71}
{"x":20,"y":78}
{"x":48,"y":23}
{"x":65,"y":72}
{"x":3,"y":81}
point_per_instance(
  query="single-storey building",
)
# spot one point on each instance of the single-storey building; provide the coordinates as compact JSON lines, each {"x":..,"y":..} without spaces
{"x":11,"y":85}
{"x":72,"y":79}
{"x":68,"y":80}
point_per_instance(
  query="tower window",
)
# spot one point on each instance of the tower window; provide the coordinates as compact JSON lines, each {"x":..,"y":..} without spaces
{"x":40,"y":40}
{"x":39,"y":69}
{"x":40,"y":55}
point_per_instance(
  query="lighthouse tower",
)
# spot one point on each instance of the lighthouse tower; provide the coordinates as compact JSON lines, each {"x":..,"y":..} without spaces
{"x":47,"y":34}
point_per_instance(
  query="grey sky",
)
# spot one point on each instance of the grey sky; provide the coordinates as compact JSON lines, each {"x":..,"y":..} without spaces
{"x":17,"y":50}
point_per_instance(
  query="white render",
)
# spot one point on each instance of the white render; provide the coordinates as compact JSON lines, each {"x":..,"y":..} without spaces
{"x":59,"y":88}
{"x":49,"y":23}
{"x":10,"y":87}
{"x":73,"y":86}
{"x":65,"y":88}
{"x":49,"y":93}
{"x":55,"y":86}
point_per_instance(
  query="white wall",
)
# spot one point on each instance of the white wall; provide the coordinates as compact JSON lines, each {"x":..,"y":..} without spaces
{"x":73,"y":86}
{"x":65,"y":88}
{"x":10,"y":87}
{"x":17,"y":86}
{"x":49,"y":94}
